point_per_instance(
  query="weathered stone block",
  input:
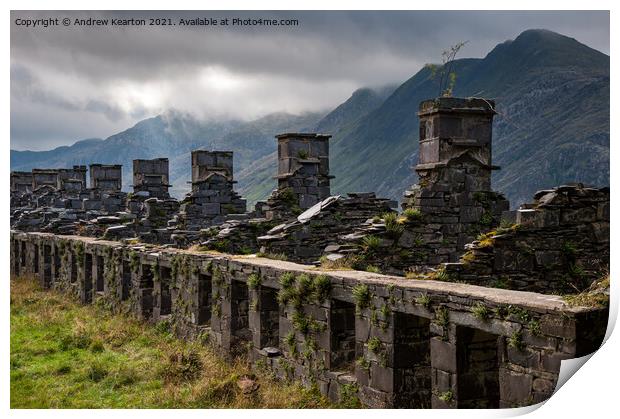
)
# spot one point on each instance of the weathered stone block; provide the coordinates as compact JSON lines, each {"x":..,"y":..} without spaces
{"x":515,"y":387}
{"x":443,"y":355}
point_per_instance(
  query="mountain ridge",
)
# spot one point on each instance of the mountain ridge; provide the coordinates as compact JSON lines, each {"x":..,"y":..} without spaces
{"x":552,"y":127}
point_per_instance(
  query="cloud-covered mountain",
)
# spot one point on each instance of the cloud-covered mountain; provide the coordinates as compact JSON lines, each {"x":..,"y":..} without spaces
{"x":552,"y":96}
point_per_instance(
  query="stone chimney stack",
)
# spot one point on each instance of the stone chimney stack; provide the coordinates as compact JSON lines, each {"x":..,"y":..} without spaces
{"x":106,"y":177}
{"x":303,"y":167}
{"x":72,"y":179}
{"x":151,"y":177}
{"x":44,"y":177}
{"x":21,"y":181}
{"x":205,"y":163}
{"x":212,"y":198}
{"x":453,"y":127}
{"x":454,"y":170}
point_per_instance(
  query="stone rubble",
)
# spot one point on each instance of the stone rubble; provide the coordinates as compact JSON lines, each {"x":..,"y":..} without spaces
{"x":557,"y":244}
{"x":303,"y":239}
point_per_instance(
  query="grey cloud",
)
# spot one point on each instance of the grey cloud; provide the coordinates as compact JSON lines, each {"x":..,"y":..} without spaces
{"x":312,"y":66}
{"x":39,"y":127}
{"x":26,"y":87}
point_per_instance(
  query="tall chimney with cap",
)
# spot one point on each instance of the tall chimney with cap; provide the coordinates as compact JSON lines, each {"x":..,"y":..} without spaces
{"x":454,"y":171}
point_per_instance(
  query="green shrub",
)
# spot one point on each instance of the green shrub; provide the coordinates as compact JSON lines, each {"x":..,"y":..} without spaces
{"x":63,"y":369}
{"x":96,"y":346}
{"x":516,"y":341}
{"x":423,"y":300}
{"x":374,"y":345}
{"x":290,"y":339}
{"x":412,"y":214}
{"x":125,"y":377}
{"x":481,"y":312}
{"x":304,"y":285}
{"x":534,"y":327}
{"x":348,"y":397}
{"x":486,"y":219}
{"x":182,"y":366}
{"x":363,"y":363}
{"x":442,"y":316}
{"x":285,"y":295}
{"x":96,"y":372}
{"x":288,"y":196}
{"x":253,"y":281}
{"x":392,"y":225}
{"x":371,"y":244}
{"x":321,"y":288}
{"x":220,"y":245}
{"x":287,"y":280}
{"x":361,"y":295}
{"x":301,"y":323}
{"x":446,"y":396}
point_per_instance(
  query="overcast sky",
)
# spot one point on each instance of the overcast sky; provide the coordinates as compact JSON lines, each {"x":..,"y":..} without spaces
{"x":71,"y":83}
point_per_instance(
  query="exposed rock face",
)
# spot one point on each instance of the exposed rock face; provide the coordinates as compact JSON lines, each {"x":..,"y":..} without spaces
{"x":557,"y":244}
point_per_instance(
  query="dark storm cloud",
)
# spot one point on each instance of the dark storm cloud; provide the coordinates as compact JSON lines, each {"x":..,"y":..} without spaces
{"x":111,"y":77}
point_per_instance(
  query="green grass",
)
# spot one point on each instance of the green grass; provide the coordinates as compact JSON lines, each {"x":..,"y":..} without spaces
{"x":66,"y":355}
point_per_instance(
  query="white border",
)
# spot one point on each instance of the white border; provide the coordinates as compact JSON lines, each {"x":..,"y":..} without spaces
{"x":592,"y":392}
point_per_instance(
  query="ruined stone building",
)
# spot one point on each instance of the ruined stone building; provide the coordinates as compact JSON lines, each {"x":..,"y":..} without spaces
{"x":21,"y":182}
{"x":454,"y":171}
{"x":44,"y":177}
{"x":303,"y":174}
{"x":72,"y":180}
{"x":212,"y":196}
{"x":449,"y":207}
{"x":150,"y":178}
{"x":454,"y":302}
{"x":106,"y":177}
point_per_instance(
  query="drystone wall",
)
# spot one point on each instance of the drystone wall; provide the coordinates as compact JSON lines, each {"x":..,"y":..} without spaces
{"x":390,"y":342}
{"x":557,"y":244}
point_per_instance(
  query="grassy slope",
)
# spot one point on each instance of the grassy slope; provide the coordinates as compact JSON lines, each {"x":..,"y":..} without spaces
{"x":65,"y":355}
